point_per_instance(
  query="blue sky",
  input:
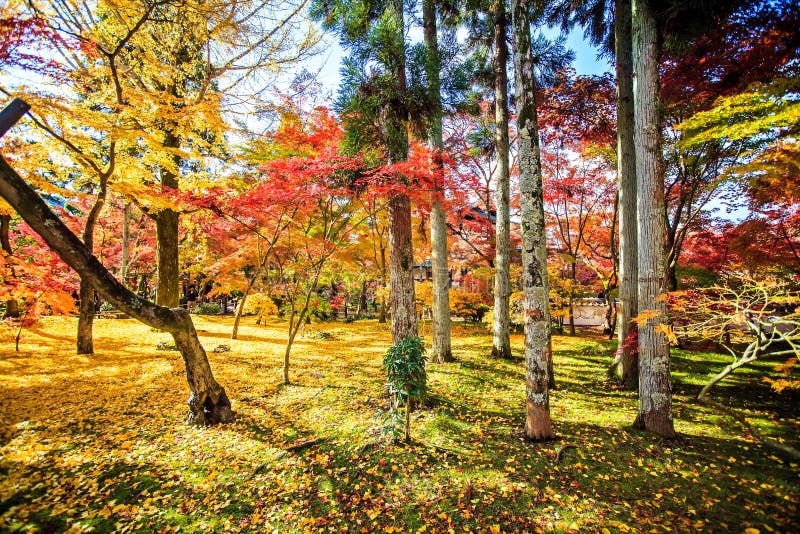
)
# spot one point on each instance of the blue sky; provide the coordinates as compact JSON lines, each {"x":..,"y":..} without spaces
{"x":329,"y":60}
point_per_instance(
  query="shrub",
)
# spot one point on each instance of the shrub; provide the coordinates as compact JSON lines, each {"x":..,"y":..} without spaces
{"x":261,"y":305}
{"x":207,"y":308}
{"x":405,"y":376}
{"x":467,"y":305}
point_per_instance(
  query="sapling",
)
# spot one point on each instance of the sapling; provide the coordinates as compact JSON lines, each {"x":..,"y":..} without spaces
{"x":405,"y":375}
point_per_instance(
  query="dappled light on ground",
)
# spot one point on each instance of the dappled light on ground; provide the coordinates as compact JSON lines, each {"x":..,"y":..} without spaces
{"x":100,"y":441}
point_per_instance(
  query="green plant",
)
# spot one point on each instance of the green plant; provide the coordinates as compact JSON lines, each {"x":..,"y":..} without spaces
{"x":207,"y":308}
{"x":106,"y":306}
{"x":405,"y":376}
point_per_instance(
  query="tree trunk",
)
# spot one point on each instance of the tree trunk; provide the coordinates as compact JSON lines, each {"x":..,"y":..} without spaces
{"x":408,"y":418}
{"x":250,"y":284}
{"x":12,"y":306}
{"x":501,"y":343}
{"x":655,"y":389}
{"x":168,"y":289}
{"x":125,"y":264}
{"x":536,"y":303}
{"x":441,"y":348}
{"x":627,"y":351}
{"x":573,"y":275}
{"x":208,"y":402}
{"x":401,"y":252}
{"x":86,"y":309}
{"x":362,"y":299}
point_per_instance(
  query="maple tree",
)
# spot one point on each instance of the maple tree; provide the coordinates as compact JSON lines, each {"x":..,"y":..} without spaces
{"x":208,"y":402}
{"x":750,"y":320}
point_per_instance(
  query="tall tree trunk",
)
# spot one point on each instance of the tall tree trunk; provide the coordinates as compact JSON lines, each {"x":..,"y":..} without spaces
{"x":501,"y":343}
{"x":401,"y":252}
{"x":655,"y":388}
{"x":168,"y":289}
{"x":125,"y":265}
{"x":627,"y":351}
{"x":536,"y":303}
{"x":86,"y":306}
{"x":573,"y":277}
{"x":208,"y":402}
{"x":441,"y":349}
{"x":12,"y":307}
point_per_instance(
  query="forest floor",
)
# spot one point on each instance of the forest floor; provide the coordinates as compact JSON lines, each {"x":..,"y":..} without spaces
{"x":99,"y":442}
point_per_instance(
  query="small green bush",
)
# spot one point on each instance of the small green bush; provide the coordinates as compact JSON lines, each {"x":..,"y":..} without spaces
{"x":207,"y":308}
{"x":406,"y":378}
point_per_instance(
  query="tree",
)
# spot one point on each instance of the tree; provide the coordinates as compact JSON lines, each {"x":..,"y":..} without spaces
{"x":751,"y":320}
{"x":655,"y":387}
{"x":627,"y":368}
{"x":441,"y":349}
{"x":536,"y":305}
{"x":376,"y":110}
{"x":501,"y":344}
{"x":208,"y":402}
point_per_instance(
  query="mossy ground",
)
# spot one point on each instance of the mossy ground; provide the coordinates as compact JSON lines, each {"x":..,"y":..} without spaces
{"x":99,"y":442}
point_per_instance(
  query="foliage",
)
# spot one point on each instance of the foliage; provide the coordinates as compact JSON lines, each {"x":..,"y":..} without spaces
{"x":750,"y":321}
{"x":406,"y":379}
{"x":423,"y":293}
{"x":468,"y":305}
{"x":261,"y":305}
{"x":207,"y":308}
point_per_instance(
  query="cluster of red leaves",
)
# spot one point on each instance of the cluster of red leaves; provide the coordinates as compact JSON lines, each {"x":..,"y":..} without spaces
{"x":752,"y":46}
{"x":21,"y":41}
{"x":36,"y":277}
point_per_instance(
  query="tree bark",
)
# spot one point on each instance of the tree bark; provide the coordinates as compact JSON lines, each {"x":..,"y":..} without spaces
{"x":441,"y":350}
{"x":208,"y":402}
{"x":362,"y":299}
{"x":401,"y":252}
{"x":501,"y":343}
{"x":655,"y":388}
{"x":86,"y":306}
{"x":125,"y":265}
{"x":12,"y":306}
{"x":168,"y":288}
{"x":536,"y":302}
{"x":573,"y":277}
{"x":627,"y":352}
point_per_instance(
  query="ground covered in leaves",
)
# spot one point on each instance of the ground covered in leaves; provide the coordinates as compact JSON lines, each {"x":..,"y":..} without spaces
{"x":99,"y":442}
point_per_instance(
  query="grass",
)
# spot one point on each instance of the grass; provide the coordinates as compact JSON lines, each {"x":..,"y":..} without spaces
{"x":98,"y":442}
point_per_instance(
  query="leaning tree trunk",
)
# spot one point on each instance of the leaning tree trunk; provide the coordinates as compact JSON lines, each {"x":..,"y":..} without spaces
{"x":655,"y":388}
{"x":441,"y":347}
{"x":12,"y":307}
{"x":501,"y":343}
{"x":536,"y":303}
{"x":208,"y":402}
{"x":401,"y":252}
{"x":627,"y":368}
{"x":168,"y":289}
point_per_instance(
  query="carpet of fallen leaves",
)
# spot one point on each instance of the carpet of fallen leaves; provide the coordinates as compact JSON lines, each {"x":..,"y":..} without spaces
{"x":99,"y":442}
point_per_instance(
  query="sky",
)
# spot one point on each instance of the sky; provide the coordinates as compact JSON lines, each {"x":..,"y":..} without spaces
{"x":329,"y":61}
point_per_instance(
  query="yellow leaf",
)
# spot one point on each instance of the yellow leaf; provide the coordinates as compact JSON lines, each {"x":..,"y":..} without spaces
{"x":751,"y":530}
